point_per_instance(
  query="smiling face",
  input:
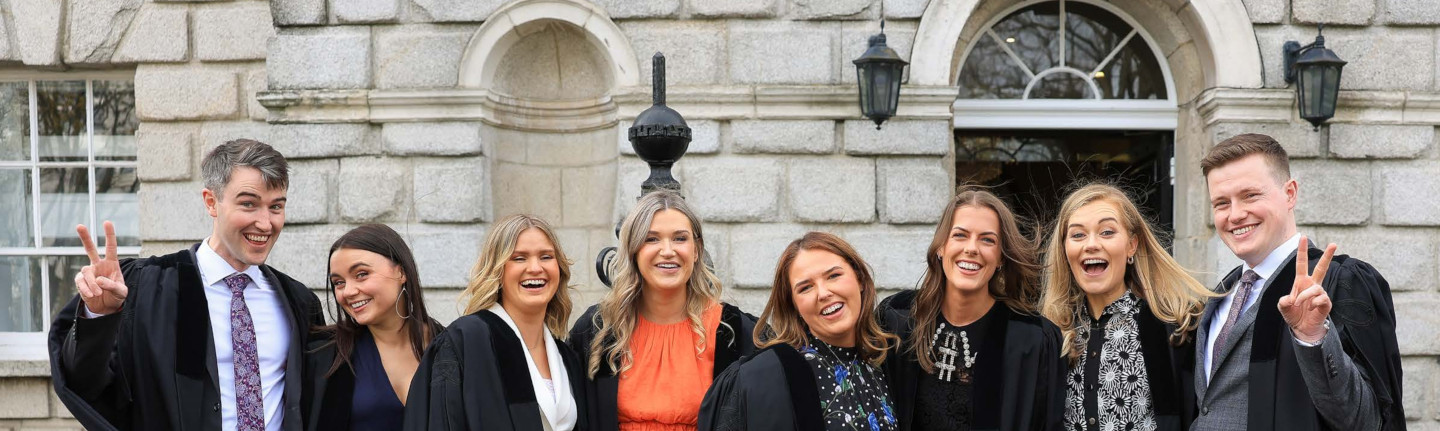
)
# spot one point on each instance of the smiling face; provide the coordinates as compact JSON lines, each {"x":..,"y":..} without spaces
{"x":1097,"y":246}
{"x":367,"y":285}
{"x":972,"y":254}
{"x":532,"y":274}
{"x":1253,"y":210}
{"x":248,"y":217}
{"x":667,"y":257}
{"x":826,"y":293}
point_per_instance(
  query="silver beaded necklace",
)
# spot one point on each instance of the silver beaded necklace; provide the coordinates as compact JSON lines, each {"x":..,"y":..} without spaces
{"x":948,"y":353}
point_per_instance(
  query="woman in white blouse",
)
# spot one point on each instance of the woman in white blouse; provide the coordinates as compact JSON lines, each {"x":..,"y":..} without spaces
{"x":504,"y":365}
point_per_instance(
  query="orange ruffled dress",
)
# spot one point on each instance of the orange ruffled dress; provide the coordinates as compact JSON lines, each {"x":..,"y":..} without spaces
{"x":663,"y":389}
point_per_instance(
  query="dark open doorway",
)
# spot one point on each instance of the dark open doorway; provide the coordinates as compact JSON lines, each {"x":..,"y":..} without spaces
{"x":1033,"y":170}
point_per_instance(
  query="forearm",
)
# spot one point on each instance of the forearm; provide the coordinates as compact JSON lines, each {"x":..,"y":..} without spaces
{"x":1337,"y":386}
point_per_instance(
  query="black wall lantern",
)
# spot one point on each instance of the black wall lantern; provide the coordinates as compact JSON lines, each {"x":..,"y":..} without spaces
{"x":1315,"y":70}
{"x":879,"y":71}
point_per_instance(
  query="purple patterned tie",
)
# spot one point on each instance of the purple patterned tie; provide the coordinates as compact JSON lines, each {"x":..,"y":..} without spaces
{"x":249,"y":406}
{"x":1242,"y":293}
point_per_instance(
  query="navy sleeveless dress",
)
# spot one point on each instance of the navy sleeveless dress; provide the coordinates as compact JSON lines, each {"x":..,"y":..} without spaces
{"x":374,"y":405}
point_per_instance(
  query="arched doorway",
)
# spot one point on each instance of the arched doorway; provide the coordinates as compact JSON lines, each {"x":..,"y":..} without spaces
{"x":1053,"y":92}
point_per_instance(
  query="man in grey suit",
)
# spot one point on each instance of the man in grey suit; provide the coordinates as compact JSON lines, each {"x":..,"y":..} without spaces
{"x":1299,"y":341}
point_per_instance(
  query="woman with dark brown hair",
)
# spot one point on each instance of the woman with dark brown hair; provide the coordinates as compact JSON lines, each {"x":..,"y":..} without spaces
{"x":822,"y":350}
{"x":976,"y":355}
{"x":360,"y":367}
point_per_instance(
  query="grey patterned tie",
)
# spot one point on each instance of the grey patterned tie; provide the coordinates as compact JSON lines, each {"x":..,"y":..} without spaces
{"x":249,"y":405}
{"x":1242,"y":294}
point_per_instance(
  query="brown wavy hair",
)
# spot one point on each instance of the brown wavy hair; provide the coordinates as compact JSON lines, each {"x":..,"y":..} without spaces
{"x":1016,"y":284}
{"x":1173,"y":295}
{"x":781,"y":322}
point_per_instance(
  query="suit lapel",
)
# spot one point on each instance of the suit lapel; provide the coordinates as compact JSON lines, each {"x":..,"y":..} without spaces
{"x":1242,"y":324}
{"x":196,"y":379}
{"x":1202,"y":333}
{"x":294,"y":359}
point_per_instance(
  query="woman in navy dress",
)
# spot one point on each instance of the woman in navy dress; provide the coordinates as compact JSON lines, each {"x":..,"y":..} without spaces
{"x":360,"y":368}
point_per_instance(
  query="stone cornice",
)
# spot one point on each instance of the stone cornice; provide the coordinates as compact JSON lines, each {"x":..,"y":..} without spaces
{"x":837,"y":102}
{"x":1218,"y":105}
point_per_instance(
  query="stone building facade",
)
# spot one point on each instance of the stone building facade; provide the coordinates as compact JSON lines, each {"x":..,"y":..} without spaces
{"x":439,"y":116}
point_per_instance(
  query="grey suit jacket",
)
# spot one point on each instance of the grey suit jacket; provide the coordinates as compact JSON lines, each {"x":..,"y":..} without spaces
{"x":1334,"y":384}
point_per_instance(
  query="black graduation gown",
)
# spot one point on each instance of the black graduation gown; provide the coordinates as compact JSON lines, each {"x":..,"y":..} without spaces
{"x":1364,"y":315}
{"x":328,"y":399}
{"x":474,"y":377}
{"x":773,"y":389}
{"x":1170,"y":370}
{"x":1029,"y":375}
{"x":152,"y":365}
{"x":732,"y":341}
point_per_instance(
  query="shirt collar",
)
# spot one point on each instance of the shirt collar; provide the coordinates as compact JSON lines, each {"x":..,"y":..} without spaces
{"x":214,"y":268}
{"x":1126,"y":304}
{"x":1266,"y":269}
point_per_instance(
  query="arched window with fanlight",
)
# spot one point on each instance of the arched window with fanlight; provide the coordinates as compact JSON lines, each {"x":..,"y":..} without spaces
{"x":1055,"y":91}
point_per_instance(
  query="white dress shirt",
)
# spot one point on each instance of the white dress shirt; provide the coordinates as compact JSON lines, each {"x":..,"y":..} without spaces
{"x":272,"y":335}
{"x":557,"y":402}
{"x":1266,"y":270}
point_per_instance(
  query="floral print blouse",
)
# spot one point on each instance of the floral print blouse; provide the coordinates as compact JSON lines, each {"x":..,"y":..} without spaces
{"x":853,"y":393}
{"x":1108,"y":386}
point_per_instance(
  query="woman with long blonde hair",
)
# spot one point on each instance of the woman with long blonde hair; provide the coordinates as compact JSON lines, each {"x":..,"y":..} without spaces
{"x":505,"y":365}
{"x":657,"y":339}
{"x":976,"y":354}
{"x":822,"y":349}
{"x":1128,"y":311}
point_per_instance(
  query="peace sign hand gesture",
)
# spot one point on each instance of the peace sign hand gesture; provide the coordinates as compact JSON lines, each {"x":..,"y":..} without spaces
{"x":101,"y":285}
{"x":1307,"y":306}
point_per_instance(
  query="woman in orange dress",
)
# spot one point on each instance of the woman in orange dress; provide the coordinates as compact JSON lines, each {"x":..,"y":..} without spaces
{"x":657,"y":339}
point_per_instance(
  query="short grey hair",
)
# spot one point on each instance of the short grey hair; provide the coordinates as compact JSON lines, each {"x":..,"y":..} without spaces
{"x":221,"y":161}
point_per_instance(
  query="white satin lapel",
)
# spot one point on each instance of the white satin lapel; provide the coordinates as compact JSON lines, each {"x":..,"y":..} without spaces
{"x":547,"y":403}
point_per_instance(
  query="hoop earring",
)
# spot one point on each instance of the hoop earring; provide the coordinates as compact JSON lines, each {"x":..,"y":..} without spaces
{"x":1130,"y":260}
{"x":409,"y":308}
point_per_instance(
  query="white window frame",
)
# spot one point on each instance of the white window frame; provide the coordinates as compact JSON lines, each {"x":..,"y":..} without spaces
{"x":1084,"y":114}
{"x":32,"y":345}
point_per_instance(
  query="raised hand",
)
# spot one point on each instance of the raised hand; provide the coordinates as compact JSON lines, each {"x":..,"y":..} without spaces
{"x":100,"y":284}
{"x":1307,"y":306}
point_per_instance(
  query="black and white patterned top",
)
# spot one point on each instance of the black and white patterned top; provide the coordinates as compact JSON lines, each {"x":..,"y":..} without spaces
{"x":853,"y":394}
{"x":1108,"y":387}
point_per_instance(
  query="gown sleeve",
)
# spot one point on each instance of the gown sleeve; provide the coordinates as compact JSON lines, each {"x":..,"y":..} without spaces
{"x":436,"y":399}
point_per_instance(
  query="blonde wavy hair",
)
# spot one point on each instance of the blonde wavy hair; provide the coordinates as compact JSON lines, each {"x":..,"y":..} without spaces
{"x":1016,"y":284}
{"x":1174,"y":296}
{"x":618,"y":311}
{"x":782,"y":323}
{"x":486,"y":276}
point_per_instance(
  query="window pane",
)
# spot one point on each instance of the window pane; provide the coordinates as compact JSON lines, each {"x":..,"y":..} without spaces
{"x":20,"y":301}
{"x":117,"y":199}
{"x":990,"y":73}
{"x":1091,"y":33}
{"x":115,"y":120}
{"x":16,"y":227}
{"x":61,"y":109}
{"x":1134,"y":73}
{"x":62,"y":279}
{"x":14,"y":121}
{"x":64,"y":202}
{"x":1034,"y":34}
{"x":1062,"y":86}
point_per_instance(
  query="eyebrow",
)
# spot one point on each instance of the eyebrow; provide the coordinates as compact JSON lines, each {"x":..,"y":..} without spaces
{"x":1109,"y":219}
{"x":352,"y":268}
{"x":963,"y":229}
{"x":675,"y":233}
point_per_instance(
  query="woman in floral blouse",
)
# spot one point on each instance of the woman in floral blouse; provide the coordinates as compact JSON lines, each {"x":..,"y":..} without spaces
{"x":1128,"y":311}
{"x":822,"y":349}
